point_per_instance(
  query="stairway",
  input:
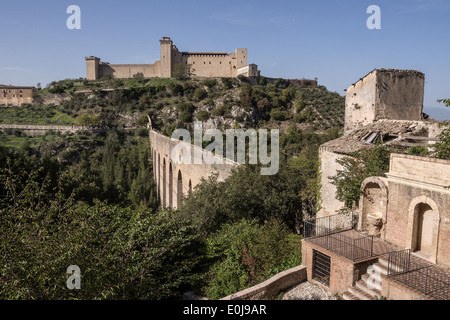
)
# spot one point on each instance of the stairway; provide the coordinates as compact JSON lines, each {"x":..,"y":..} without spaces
{"x":361,"y":290}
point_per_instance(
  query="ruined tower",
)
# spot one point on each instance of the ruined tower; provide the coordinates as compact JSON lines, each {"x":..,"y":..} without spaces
{"x":384,"y":94}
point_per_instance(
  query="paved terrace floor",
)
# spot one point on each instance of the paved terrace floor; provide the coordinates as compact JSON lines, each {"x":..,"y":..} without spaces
{"x":341,"y":243}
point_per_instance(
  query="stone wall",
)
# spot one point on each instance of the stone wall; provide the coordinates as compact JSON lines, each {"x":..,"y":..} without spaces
{"x":384,"y":94}
{"x":343,"y":272}
{"x":272,"y":286}
{"x":126,"y":71}
{"x":394,"y":290}
{"x":56,"y":99}
{"x":418,"y":216}
{"x":203,"y":64}
{"x":11,"y":95}
{"x":329,"y":205}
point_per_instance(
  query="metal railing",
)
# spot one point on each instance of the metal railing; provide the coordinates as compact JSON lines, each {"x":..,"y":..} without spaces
{"x":418,"y":276}
{"x":327,"y":225}
{"x":327,"y":233}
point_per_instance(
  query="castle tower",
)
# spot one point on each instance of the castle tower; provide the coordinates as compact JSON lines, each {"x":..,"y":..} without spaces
{"x":92,"y":68}
{"x":166,"y":57}
{"x":384,"y":94}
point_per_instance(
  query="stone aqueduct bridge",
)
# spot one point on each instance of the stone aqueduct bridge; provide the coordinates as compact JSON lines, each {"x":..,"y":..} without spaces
{"x":174,"y":175}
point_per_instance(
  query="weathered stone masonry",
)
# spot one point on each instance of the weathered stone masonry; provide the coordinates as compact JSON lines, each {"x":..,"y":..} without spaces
{"x":202,"y":64}
{"x":174,"y":177}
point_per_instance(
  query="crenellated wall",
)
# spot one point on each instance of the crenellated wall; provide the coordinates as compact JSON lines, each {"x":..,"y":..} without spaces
{"x":202,"y":64}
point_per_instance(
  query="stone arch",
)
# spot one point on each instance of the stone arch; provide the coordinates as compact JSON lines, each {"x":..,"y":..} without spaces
{"x":163,"y":184}
{"x":423,"y":227}
{"x":157,"y":175}
{"x":170,"y":190}
{"x":373,"y":206}
{"x":179,"y":188}
{"x":190,"y":186}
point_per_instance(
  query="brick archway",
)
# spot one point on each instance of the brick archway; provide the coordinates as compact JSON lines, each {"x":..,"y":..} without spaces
{"x":373,"y":205}
{"x":421,"y":208}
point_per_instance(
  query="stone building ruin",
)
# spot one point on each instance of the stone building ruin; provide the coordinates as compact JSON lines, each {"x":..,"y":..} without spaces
{"x":16,"y":95}
{"x":399,"y":248}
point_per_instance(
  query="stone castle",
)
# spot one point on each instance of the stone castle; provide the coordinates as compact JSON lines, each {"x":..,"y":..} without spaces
{"x":173,"y":62}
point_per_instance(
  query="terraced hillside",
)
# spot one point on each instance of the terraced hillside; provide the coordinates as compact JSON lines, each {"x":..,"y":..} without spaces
{"x":172,"y":103}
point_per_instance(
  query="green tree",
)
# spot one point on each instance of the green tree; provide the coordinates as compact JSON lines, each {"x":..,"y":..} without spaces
{"x":200,"y":94}
{"x":442,"y":147}
{"x":122,"y":253}
{"x":357,"y":167}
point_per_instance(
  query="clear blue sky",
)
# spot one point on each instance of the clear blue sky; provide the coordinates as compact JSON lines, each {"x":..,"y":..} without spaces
{"x":327,"y":39}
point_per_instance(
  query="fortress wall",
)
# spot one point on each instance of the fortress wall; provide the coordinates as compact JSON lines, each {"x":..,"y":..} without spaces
{"x":128,"y":70}
{"x":400,"y":94}
{"x":212,"y":65}
{"x":205,"y":64}
{"x":384,"y":94}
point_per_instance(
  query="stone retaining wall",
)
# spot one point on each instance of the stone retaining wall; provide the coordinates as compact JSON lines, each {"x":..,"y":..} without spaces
{"x":272,"y":286}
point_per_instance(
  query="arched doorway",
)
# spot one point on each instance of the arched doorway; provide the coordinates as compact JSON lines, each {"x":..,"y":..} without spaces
{"x":423,"y":228}
{"x":373,"y":206}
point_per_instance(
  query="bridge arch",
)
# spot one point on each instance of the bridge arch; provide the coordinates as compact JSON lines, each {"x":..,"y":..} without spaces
{"x":176,"y":177}
{"x":179,"y":194}
{"x":170,"y":186}
{"x":163,"y":184}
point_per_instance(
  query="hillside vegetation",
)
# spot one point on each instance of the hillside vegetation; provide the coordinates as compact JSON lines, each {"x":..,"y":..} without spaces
{"x":90,"y":198}
{"x":222,"y":103}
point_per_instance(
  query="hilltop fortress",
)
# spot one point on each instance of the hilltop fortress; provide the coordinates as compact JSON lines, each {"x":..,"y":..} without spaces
{"x":174,"y":62}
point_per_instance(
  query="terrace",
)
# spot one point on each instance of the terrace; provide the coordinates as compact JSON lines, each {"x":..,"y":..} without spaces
{"x":337,"y":234}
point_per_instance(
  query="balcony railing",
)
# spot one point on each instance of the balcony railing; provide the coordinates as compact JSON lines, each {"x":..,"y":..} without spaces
{"x":328,"y":232}
{"x":418,"y":276}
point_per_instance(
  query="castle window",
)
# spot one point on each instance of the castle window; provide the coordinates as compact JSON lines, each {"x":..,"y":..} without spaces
{"x":210,"y":62}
